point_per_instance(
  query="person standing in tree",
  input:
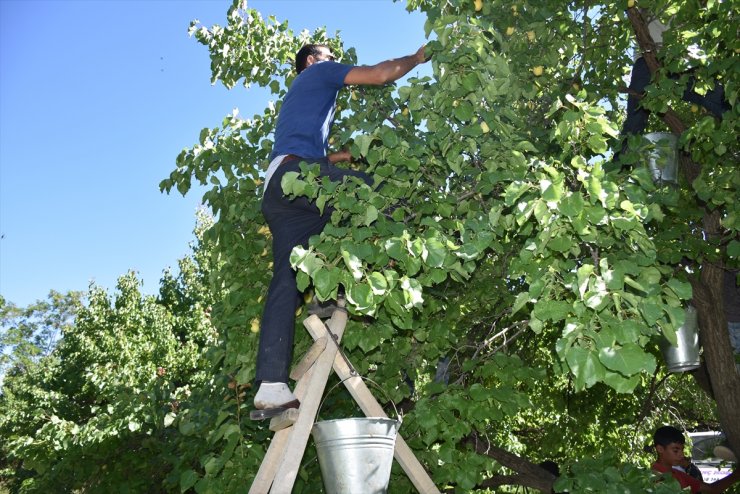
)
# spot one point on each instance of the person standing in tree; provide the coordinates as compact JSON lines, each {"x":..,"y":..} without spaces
{"x":636,"y":120}
{"x":669,"y":446}
{"x":302,"y":135}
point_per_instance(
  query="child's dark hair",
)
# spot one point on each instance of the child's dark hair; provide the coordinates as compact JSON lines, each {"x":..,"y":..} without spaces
{"x":668,"y":435}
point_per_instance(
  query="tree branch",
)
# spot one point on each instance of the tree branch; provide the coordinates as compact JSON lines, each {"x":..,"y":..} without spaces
{"x":647,"y":47}
{"x":528,"y":474}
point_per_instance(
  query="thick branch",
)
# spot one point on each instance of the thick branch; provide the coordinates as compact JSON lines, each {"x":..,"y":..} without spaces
{"x":528,"y":474}
{"x":647,"y":47}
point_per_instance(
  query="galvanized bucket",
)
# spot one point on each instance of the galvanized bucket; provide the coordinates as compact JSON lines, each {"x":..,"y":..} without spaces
{"x":356,"y":454}
{"x":663,"y":159}
{"x":685,"y":356}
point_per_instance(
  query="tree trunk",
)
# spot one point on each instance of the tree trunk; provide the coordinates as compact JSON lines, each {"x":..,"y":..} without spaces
{"x":715,"y":340}
{"x":713,"y":332}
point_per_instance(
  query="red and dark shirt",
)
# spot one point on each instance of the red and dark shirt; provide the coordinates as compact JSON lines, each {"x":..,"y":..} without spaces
{"x":684,"y":479}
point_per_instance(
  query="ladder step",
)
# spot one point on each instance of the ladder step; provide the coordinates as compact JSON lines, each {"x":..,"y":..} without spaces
{"x":285,"y":419}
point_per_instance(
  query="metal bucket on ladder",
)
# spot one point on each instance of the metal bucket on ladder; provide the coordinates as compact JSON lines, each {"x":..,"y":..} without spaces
{"x":685,"y":356}
{"x":356,"y":454}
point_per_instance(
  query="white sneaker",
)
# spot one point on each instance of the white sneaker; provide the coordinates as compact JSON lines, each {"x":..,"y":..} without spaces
{"x":274,"y":395}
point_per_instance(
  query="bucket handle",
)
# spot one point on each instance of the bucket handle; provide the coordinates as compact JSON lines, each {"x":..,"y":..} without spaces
{"x":399,"y":417}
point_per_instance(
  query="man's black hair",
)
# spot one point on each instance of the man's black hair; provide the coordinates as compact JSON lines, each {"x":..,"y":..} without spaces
{"x":668,"y":435}
{"x":303,"y":53}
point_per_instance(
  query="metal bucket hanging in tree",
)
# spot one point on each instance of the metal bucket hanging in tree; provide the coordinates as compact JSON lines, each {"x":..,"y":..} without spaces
{"x":685,"y":356}
{"x":663,"y":158}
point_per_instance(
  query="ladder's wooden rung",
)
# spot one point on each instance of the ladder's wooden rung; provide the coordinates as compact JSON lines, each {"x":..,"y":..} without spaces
{"x":307,"y":361}
{"x":284,"y":420}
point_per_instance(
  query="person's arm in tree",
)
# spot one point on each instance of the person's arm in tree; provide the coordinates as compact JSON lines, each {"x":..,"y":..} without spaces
{"x":385,"y":72}
{"x":338,"y":156}
{"x":722,"y":484}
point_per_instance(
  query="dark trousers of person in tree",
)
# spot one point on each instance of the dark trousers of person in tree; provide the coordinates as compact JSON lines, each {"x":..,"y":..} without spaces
{"x":292,"y":222}
{"x":637,"y":116}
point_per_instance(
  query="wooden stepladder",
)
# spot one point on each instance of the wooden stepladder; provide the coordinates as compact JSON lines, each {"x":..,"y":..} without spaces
{"x":292,"y":428}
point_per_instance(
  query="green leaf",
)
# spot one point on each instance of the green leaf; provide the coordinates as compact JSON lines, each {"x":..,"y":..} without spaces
{"x":733,"y":249}
{"x":478,"y":392}
{"x":371,"y":214}
{"x":551,"y":310}
{"x":521,"y":299}
{"x":585,"y":366}
{"x":412,"y":293}
{"x":680,"y":288}
{"x":188,"y":478}
{"x":363,"y":143}
{"x":572,"y":205}
{"x":378,"y":283}
{"x":361,"y":296}
{"x":288,"y":182}
{"x":353,"y":264}
{"x":628,"y":360}
{"x":169,"y":419}
{"x":389,"y":137}
{"x":435,"y":253}
{"x":651,"y":311}
{"x":620,"y":383}
{"x":395,"y":248}
{"x":597,"y":144}
{"x":326,"y":281}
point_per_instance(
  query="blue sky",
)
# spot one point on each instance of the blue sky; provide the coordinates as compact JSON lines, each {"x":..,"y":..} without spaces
{"x":97,"y":98}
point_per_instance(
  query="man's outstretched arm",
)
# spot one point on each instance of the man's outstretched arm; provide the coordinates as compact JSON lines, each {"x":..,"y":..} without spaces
{"x":385,"y":72}
{"x":722,"y":484}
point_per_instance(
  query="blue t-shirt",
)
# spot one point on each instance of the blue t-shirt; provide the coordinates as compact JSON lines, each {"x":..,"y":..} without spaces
{"x":307,"y":112}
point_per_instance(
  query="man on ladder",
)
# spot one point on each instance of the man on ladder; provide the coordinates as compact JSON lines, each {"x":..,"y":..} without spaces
{"x":302,"y":134}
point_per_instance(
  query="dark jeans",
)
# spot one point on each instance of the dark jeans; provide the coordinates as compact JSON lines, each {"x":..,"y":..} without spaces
{"x":637,"y":116}
{"x":292,"y":222}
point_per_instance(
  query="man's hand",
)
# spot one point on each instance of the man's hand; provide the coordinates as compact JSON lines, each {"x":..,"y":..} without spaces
{"x":343,"y":155}
{"x":421,"y":56}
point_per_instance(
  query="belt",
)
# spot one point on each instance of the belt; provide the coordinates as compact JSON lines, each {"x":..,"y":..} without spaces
{"x":289,"y":157}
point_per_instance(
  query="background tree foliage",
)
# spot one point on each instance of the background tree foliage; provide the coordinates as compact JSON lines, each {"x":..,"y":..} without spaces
{"x":508,"y":284}
{"x":96,"y":413}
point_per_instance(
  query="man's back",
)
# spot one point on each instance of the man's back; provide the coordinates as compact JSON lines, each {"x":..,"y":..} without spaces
{"x":307,"y":112}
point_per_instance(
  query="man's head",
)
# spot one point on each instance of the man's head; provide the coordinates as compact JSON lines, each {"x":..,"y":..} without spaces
{"x":669,"y":443}
{"x":310,"y":54}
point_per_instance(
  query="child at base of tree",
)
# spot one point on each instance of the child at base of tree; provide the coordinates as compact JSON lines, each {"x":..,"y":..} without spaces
{"x":669,"y":444}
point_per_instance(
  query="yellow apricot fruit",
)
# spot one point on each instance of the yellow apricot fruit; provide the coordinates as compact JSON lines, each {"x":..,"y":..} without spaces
{"x":478,"y":5}
{"x":509,"y":30}
{"x":254,"y":326}
{"x":537,"y":70}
